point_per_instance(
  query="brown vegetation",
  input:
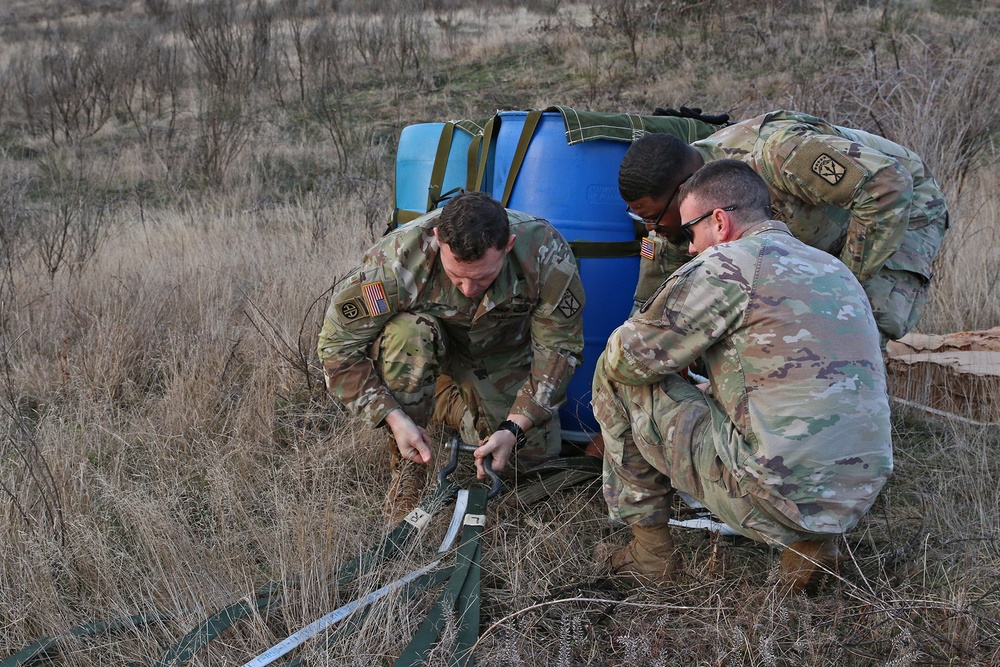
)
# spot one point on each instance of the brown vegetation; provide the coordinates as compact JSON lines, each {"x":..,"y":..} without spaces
{"x":180,"y":185}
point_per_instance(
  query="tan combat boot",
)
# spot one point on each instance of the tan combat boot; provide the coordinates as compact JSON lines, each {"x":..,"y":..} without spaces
{"x":805,"y":565}
{"x":649,"y":557}
{"x":405,"y":487}
{"x":451,"y":410}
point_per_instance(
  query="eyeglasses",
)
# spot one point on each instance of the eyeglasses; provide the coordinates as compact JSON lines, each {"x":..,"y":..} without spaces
{"x":646,"y":221}
{"x":656,"y":223}
{"x":686,"y":226}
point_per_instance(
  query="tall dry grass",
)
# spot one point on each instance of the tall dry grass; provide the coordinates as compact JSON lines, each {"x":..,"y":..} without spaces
{"x":166,"y":446}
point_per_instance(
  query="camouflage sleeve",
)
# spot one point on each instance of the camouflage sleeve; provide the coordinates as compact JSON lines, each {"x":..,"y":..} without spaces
{"x":827,"y":170}
{"x":556,"y":337}
{"x":356,"y":316}
{"x":695,"y":307}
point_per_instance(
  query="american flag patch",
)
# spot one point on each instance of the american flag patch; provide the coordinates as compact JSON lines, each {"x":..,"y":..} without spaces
{"x":375,"y":298}
{"x":646,"y":249}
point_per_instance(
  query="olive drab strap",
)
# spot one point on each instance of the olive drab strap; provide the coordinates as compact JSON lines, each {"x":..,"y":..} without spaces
{"x":460,"y":597}
{"x":44,"y":650}
{"x":440,"y":165}
{"x":482,"y":149}
{"x":527,"y":132}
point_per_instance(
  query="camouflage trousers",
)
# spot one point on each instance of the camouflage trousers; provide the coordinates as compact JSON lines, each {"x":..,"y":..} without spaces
{"x":433,"y":381}
{"x":899,"y":290}
{"x":662,"y":437}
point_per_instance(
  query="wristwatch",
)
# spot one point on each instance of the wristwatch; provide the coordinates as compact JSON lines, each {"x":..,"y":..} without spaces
{"x":513,"y":427}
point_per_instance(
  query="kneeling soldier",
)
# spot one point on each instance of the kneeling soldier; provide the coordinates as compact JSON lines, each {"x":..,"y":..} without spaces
{"x":471,"y":313}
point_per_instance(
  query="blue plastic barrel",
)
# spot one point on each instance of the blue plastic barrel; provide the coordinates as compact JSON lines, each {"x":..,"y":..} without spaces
{"x":418,"y":145}
{"x":576,"y":189}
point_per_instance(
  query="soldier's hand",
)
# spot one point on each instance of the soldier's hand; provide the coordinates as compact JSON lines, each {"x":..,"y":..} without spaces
{"x":412,"y":440}
{"x":501,"y":445}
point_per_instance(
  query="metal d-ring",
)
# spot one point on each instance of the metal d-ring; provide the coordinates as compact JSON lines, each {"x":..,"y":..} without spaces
{"x":456,"y":445}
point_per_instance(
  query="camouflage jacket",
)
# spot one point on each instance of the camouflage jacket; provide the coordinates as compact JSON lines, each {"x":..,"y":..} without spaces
{"x":848,"y":192}
{"x":531,"y":314}
{"x":792,"y":353}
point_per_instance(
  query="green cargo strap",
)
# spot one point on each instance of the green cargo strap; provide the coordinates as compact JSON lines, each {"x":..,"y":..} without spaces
{"x":352,"y":624}
{"x":462,"y":590}
{"x":402,"y":216}
{"x":394,"y":542}
{"x":485,"y":142}
{"x":527,"y":132}
{"x":440,"y":165}
{"x":468,"y":613}
{"x":206,"y":631}
{"x":604,"y":249}
{"x":216,"y":624}
{"x":44,"y":648}
{"x":475,"y":128}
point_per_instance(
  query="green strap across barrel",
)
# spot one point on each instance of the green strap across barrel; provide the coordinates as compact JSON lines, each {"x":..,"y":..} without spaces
{"x":584,"y":126}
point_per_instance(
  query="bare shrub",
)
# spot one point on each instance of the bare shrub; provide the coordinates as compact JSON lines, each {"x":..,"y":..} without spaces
{"x":156,"y":77}
{"x":232,"y":49}
{"x":393,"y":41}
{"x":13,"y":238}
{"x":68,"y":229}
{"x":29,"y":486}
{"x":943,"y":103}
{"x":78,"y":84}
{"x":626,"y":18}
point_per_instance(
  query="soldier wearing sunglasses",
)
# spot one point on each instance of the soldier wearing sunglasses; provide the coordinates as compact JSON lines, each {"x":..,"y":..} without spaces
{"x":862,"y":198}
{"x":791,"y":442}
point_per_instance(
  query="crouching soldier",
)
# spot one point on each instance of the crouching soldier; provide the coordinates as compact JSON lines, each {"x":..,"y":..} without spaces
{"x":471,"y":316}
{"x":790,"y":444}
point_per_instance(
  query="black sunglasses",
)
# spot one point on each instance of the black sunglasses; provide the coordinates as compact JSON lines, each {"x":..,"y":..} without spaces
{"x":686,"y":226}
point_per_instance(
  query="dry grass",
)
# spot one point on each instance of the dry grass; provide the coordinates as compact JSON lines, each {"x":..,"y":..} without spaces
{"x":166,"y":445}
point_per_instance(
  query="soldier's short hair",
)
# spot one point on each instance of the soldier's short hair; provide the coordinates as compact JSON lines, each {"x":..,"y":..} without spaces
{"x":471,"y":223}
{"x":727,"y":182}
{"x":650,"y":165}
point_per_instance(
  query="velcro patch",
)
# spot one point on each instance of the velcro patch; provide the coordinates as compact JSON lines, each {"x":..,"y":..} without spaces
{"x":375,"y":299}
{"x":825,"y":171}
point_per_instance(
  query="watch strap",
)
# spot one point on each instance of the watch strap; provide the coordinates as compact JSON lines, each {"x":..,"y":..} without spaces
{"x":515,"y":428}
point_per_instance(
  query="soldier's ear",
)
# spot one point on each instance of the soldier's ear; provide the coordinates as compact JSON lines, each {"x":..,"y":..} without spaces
{"x":510,"y":242}
{"x":724,"y":227}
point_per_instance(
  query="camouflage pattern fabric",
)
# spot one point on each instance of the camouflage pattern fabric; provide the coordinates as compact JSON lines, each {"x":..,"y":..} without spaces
{"x":417,"y":364}
{"x":794,"y":440}
{"x":867,"y":200}
{"x":397,"y":322}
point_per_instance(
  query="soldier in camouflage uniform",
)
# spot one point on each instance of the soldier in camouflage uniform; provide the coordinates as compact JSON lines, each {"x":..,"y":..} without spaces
{"x":862,"y":198}
{"x":490,"y":299}
{"x":791,"y":443}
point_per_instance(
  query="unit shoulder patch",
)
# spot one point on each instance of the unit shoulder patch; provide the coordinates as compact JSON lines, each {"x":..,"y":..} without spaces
{"x":828,"y":169}
{"x":569,"y":305}
{"x":353,"y":309}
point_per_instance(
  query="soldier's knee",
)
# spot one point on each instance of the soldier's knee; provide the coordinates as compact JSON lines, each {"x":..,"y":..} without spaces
{"x":897,"y":299}
{"x":410,"y":335}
